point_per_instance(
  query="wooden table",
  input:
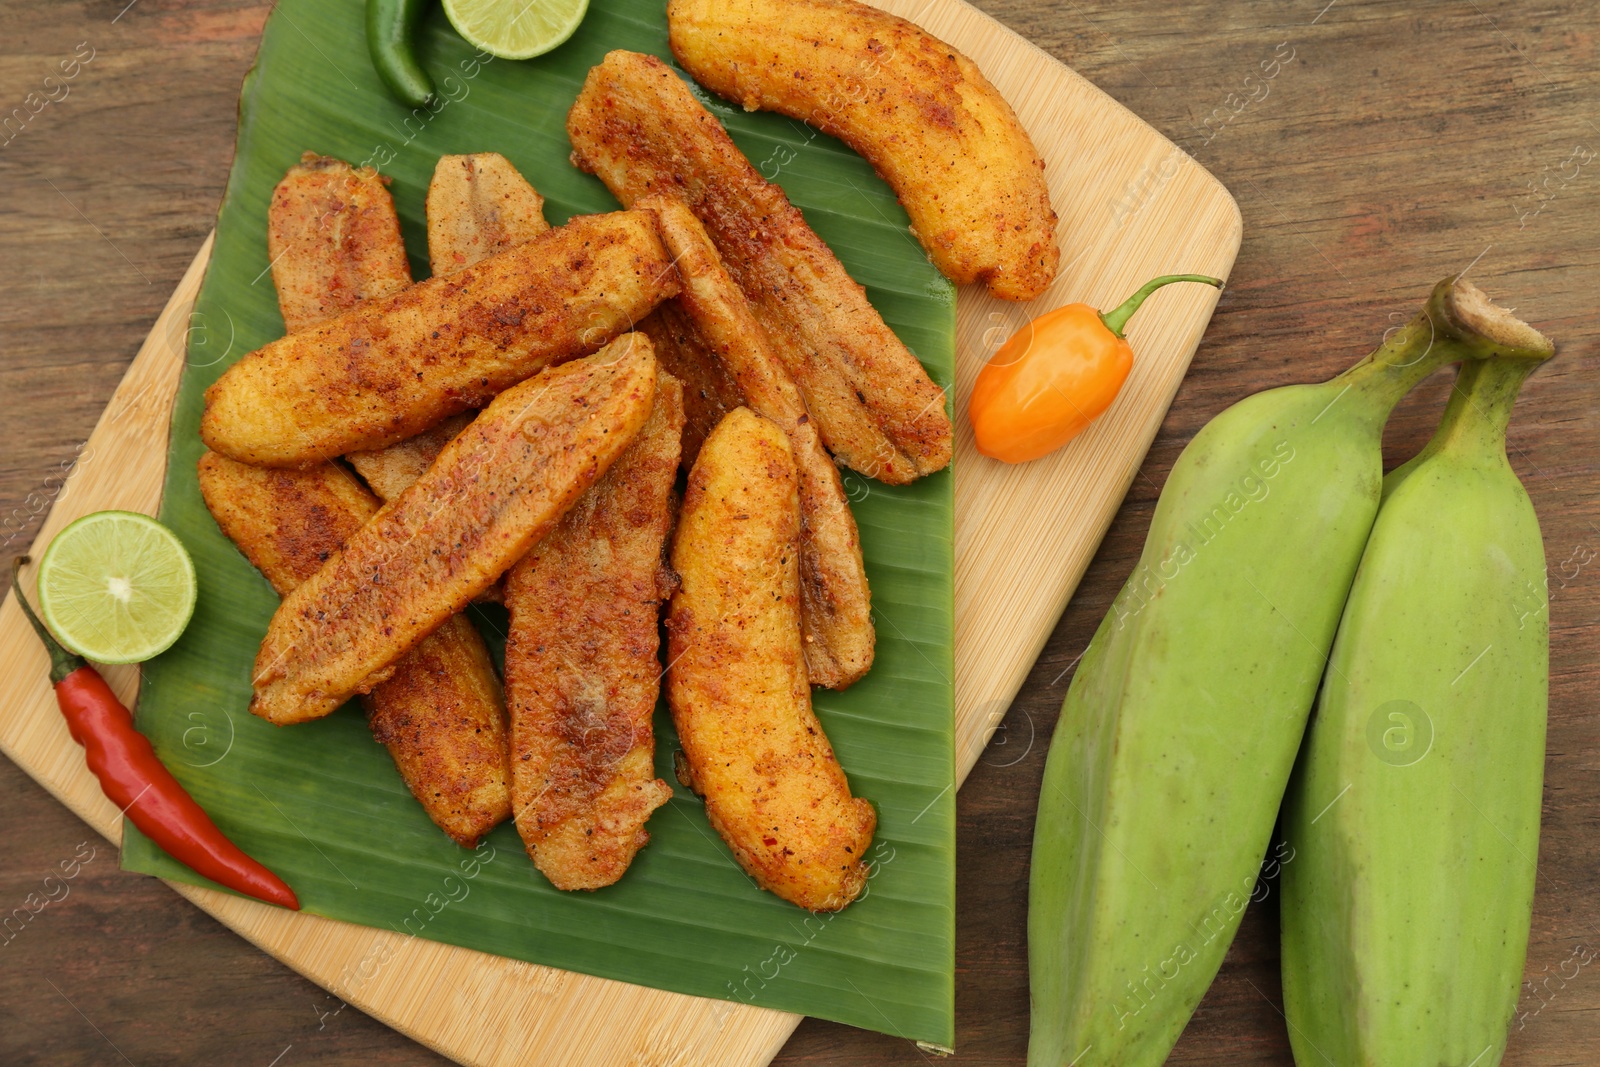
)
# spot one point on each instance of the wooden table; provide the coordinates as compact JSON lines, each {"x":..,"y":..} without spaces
{"x":1399,"y":143}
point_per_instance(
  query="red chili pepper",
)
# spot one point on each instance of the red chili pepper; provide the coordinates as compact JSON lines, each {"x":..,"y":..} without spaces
{"x":135,"y":779}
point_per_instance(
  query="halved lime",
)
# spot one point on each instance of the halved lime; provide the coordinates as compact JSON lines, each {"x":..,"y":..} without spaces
{"x":516,"y":29}
{"x":116,"y":587}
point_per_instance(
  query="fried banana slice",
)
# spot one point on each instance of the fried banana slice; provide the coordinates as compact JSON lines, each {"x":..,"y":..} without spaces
{"x":478,"y":205}
{"x":391,"y":471}
{"x":583,"y":666}
{"x":836,"y":604}
{"x":709,"y":391}
{"x":393,"y":367}
{"x":919,"y":111}
{"x":752,"y":746}
{"x":441,"y":714}
{"x":637,"y":126}
{"x":494,"y":491}
{"x":334,"y":240}
{"x":287,"y":523}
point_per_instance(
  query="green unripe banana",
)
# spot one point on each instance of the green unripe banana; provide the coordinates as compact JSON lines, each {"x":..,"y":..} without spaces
{"x":1181,"y":726}
{"x":1414,"y":810}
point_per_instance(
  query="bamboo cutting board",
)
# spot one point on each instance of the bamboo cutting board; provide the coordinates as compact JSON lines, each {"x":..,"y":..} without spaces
{"x":1132,"y":206}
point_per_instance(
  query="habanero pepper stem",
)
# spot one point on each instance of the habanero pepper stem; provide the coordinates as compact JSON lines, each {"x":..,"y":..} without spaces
{"x":134,"y":778}
{"x":1056,"y":375}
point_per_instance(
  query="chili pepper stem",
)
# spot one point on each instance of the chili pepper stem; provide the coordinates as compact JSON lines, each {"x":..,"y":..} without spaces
{"x":1117,"y":319}
{"x":62,"y":662}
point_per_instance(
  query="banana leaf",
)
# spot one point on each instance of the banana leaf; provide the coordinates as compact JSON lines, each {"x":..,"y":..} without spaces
{"x":322,"y":804}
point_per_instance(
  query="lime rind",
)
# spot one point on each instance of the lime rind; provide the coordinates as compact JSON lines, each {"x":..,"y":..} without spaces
{"x":516,"y":29}
{"x":116,"y":587}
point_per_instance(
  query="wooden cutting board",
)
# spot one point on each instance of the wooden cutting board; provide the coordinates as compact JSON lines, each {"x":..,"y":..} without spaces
{"x":1132,"y":206}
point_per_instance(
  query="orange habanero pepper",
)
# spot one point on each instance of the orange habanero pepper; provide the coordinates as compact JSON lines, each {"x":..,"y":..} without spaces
{"x":1055,"y":376}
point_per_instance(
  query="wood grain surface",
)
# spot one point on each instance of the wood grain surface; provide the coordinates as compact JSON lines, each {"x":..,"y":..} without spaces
{"x":1397,"y":144}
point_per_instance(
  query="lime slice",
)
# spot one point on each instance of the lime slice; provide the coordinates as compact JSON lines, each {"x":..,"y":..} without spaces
{"x":516,"y":29}
{"x":116,"y":587}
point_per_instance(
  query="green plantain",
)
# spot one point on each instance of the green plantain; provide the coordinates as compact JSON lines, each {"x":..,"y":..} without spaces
{"x":1414,"y":811}
{"x":1180,"y":729}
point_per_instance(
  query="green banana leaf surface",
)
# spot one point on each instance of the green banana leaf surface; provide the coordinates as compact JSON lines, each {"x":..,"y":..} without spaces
{"x":322,"y":804}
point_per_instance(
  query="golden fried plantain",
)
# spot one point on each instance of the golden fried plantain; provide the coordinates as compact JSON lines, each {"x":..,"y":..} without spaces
{"x":393,"y":367}
{"x":441,"y":713}
{"x":920,"y":112}
{"x":583,"y":666}
{"x":333,"y":239}
{"x":736,"y":681}
{"x":836,"y":604}
{"x":287,"y":523}
{"x":492,"y":493}
{"x":637,"y":126}
{"x":479,"y":205}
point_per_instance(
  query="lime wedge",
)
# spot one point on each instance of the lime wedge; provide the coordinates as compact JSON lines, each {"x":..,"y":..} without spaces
{"x":516,"y":29}
{"x":116,"y":587}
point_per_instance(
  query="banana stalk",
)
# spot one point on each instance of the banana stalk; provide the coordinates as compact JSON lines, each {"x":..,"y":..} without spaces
{"x":1181,"y":726}
{"x":1414,"y":811}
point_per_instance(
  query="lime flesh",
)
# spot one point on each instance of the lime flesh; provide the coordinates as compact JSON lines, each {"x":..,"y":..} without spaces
{"x":516,"y":29}
{"x":116,"y":587}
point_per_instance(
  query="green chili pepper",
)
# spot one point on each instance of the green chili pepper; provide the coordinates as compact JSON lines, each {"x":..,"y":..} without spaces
{"x":391,"y":31}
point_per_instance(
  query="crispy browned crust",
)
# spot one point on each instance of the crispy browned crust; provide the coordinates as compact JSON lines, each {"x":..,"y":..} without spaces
{"x":390,"y":471}
{"x":443,"y":718}
{"x":920,"y":112}
{"x":478,"y":205}
{"x":638,"y":127}
{"x":492,"y":493}
{"x":836,"y":605}
{"x":709,"y":391}
{"x":287,"y":523}
{"x":393,"y":367}
{"x":441,"y":714}
{"x":333,"y":239}
{"x":736,"y":680}
{"x":583,"y":664}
